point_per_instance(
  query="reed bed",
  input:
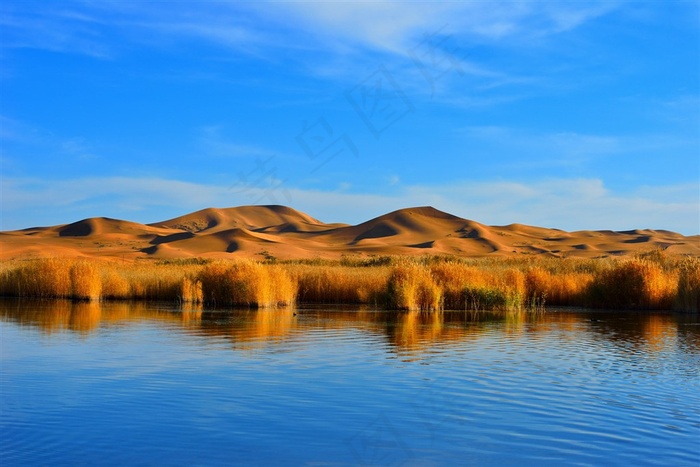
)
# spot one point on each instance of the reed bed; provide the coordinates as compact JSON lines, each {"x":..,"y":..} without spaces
{"x":247,"y":283}
{"x":412,"y":286}
{"x":651,"y":281}
{"x":557,"y":289}
{"x":339,"y":284}
{"x":633,"y":284}
{"x":688,"y":293}
{"x":489,"y":286}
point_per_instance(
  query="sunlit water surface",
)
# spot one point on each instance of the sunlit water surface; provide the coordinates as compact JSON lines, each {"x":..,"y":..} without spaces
{"x":118,"y":384}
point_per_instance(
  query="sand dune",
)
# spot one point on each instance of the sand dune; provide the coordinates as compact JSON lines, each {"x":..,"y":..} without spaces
{"x":282,"y":232}
{"x":249,"y":217}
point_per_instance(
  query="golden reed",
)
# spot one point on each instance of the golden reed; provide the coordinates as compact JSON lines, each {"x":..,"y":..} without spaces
{"x":650,"y":281}
{"x":246,"y":283}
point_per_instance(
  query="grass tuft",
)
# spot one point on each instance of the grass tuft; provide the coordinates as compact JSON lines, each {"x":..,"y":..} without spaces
{"x":246,"y":283}
{"x":633,"y":284}
{"x":688,"y":293}
{"x":85,"y":280}
{"x":412,"y":287}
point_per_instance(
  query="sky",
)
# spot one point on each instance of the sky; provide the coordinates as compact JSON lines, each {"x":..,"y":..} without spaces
{"x":571,"y":115}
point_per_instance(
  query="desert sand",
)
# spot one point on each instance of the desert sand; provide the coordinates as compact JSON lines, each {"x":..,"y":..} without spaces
{"x":284,"y":233}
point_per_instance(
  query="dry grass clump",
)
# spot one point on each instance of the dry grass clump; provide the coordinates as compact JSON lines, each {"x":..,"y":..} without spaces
{"x":559,"y":289}
{"x":85,"y":280}
{"x":217,"y":287}
{"x":53,"y":278}
{"x":504,"y":291}
{"x":633,"y":284}
{"x":246,"y":283}
{"x":154,"y":282}
{"x":93,"y":280}
{"x":49,"y":278}
{"x":455,"y":278}
{"x":688,"y":293}
{"x":340,"y":284}
{"x":512,"y":283}
{"x":282,"y":288}
{"x":114,"y":285}
{"x":191,"y":290}
{"x":412,"y":287}
{"x":471,"y":287}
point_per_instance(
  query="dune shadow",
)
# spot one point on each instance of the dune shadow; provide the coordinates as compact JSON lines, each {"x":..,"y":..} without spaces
{"x":151,"y":250}
{"x":377,"y":231}
{"x":424,"y":244}
{"x":77,"y":229}
{"x":641,"y":239}
{"x":159,"y":240}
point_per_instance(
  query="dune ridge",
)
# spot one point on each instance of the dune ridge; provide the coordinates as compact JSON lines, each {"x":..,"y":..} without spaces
{"x":282,"y":232}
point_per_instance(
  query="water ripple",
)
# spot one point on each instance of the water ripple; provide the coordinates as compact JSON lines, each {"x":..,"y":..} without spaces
{"x":145,"y":385}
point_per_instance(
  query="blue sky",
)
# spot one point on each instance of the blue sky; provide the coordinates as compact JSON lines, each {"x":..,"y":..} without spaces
{"x":572,"y":115}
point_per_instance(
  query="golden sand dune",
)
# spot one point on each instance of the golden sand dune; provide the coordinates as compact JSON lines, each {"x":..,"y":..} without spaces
{"x":248,"y":217}
{"x":282,"y":232}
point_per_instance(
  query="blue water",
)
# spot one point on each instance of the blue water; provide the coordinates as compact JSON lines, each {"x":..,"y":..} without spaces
{"x":152,"y":384}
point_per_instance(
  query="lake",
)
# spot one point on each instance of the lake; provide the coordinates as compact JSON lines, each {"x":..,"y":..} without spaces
{"x":158,"y":384}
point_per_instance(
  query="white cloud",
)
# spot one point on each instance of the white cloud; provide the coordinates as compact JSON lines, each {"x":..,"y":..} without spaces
{"x":574,"y":204}
{"x":58,"y":29}
{"x":571,"y":16}
{"x":19,"y":194}
{"x":569,"y":204}
{"x":78,"y":27}
{"x":337,"y":40}
{"x":395,"y":26}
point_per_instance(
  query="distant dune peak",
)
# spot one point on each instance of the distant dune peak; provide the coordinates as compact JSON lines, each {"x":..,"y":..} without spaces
{"x":424,"y":211}
{"x":99,"y":225}
{"x":252,"y":217}
{"x":81,"y":228}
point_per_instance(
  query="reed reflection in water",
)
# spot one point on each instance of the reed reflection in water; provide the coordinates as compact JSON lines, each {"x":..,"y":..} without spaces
{"x":80,"y":381}
{"x":406,"y":332}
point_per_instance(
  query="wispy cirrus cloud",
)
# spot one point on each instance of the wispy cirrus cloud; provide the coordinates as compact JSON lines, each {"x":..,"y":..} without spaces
{"x":62,"y":28}
{"x":393,"y":27}
{"x":338,"y":41}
